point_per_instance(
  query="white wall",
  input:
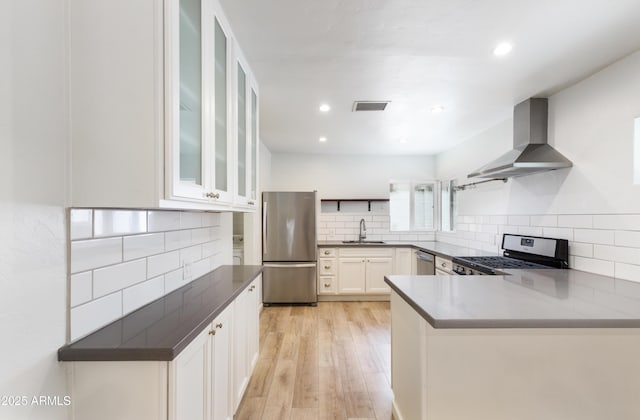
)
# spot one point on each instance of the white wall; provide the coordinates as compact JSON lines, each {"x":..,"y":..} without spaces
{"x":591,"y":123}
{"x":336,"y":176}
{"x":33,"y":191}
{"x":594,"y":204}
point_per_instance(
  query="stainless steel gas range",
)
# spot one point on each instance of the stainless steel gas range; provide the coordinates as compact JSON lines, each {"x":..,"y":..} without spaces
{"x":520,"y":252}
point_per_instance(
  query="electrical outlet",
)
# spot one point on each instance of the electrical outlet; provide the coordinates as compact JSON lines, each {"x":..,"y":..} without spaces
{"x":187,"y":271}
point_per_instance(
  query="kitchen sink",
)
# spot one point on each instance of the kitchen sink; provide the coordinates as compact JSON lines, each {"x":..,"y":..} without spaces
{"x":362,"y":242}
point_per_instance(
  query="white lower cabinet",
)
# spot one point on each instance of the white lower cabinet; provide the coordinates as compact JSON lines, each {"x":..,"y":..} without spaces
{"x":404,"y":261}
{"x":199,"y":376}
{"x":206,"y":381}
{"x":362,"y":270}
{"x":245,"y":339}
{"x":189,"y":380}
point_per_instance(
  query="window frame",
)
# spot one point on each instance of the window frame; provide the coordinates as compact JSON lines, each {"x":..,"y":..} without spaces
{"x":412,"y":213}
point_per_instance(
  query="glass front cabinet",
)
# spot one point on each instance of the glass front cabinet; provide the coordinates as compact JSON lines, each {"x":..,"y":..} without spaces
{"x":246,"y":136}
{"x":211,"y":109}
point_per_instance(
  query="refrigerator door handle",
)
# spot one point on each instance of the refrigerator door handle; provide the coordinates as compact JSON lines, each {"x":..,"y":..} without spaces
{"x":289,"y":265}
{"x":264,"y":228}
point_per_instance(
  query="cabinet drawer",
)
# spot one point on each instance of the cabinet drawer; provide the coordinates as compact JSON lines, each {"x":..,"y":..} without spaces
{"x":366,"y":252}
{"x":327,"y":285}
{"x":327,"y":266}
{"x":326,"y":252}
{"x":443,"y":264}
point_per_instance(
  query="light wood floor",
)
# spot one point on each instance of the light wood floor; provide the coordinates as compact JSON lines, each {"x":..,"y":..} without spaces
{"x":328,"y":362}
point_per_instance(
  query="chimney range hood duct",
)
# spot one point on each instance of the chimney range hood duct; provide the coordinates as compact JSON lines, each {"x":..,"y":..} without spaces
{"x":531,"y":153}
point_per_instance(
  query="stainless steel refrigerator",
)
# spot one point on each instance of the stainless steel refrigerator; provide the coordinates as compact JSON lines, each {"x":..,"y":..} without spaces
{"x":289,"y":247}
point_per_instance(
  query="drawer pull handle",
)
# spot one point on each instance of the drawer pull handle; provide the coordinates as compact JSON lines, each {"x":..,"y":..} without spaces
{"x":212,"y":332}
{"x":327,"y":252}
{"x":327,"y":267}
{"x":327,"y":285}
{"x":219,"y":325}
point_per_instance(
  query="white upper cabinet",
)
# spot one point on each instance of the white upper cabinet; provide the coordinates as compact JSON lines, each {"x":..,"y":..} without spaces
{"x":155,"y":107}
{"x":246,"y":124}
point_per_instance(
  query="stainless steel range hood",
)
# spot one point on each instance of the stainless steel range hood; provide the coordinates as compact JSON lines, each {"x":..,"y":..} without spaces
{"x":531,"y":153}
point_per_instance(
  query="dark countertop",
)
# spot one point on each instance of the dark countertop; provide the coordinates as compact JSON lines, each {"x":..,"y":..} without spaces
{"x":546,"y":298}
{"x":440,"y":249}
{"x":164,"y":327}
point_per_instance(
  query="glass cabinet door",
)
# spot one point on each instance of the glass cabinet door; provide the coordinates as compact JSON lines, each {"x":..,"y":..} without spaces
{"x":220,"y":161}
{"x":191,"y":166}
{"x":253,"y":168}
{"x":242,"y":133}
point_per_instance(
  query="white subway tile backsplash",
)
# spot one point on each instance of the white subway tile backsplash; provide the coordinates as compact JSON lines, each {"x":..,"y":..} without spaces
{"x":94,"y":253}
{"x":162,"y":221}
{"x":200,"y":268}
{"x":581,"y":249}
{"x":119,"y":222}
{"x":594,"y":236}
{"x":627,"y":271}
{"x":519,"y":220}
{"x":80,"y":223}
{"x":174,"y":280}
{"x":141,"y":262}
{"x":139,"y":246}
{"x":163,"y":263}
{"x":191,"y":254}
{"x":81,"y":288}
{"x":489,"y":229}
{"x":201,"y":235}
{"x":598,"y":243}
{"x":544,"y":220}
{"x":495,"y":220}
{"x":576,"y":221}
{"x":190,"y":220}
{"x":142,"y":293}
{"x":116,"y":277}
{"x":529,"y":230}
{"x":627,"y":238}
{"x":210,"y":219}
{"x":210,"y":248}
{"x":558,"y":233}
{"x":176,"y":240}
{"x":617,"y":253}
{"x":605,"y":268}
{"x":617,"y":221}
{"x":95,"y":314}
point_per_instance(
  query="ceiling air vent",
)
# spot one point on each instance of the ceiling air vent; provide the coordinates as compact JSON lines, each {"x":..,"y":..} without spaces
{"x":370,"y":105}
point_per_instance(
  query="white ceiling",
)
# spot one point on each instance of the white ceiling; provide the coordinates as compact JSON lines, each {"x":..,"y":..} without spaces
{"x":417,"y":54}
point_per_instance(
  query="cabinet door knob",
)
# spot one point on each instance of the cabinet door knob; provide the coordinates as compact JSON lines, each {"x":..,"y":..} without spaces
{"x":326,"y":267}
{"x":212,"y":332}
{"x":251,"y":203}
{"x":326,"y":252}
{"x":327,"y":285}
{"x":219,"y":325}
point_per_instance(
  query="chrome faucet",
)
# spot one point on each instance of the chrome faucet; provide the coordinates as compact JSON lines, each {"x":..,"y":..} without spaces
{"x":363,"y":231}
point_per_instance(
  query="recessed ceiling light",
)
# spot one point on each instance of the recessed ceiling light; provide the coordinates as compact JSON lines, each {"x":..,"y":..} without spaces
{"x":322,"y":139}
{"x":325,"y":108}
{"x":502,"y":49}
{"x":437,"y":109}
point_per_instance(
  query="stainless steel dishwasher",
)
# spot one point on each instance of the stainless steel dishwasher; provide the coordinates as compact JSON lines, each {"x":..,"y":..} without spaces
{"x":425,"y":263}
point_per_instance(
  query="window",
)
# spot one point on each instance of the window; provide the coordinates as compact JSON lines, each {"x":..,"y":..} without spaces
{"x":411,"y":206}
{"x":447,"y":205}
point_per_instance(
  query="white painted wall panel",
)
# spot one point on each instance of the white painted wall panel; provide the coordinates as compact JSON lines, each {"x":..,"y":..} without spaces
{"x":347,"y":176}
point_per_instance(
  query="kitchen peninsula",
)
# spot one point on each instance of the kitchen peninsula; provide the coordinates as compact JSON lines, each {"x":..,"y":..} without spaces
{"x":532,"y":344}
